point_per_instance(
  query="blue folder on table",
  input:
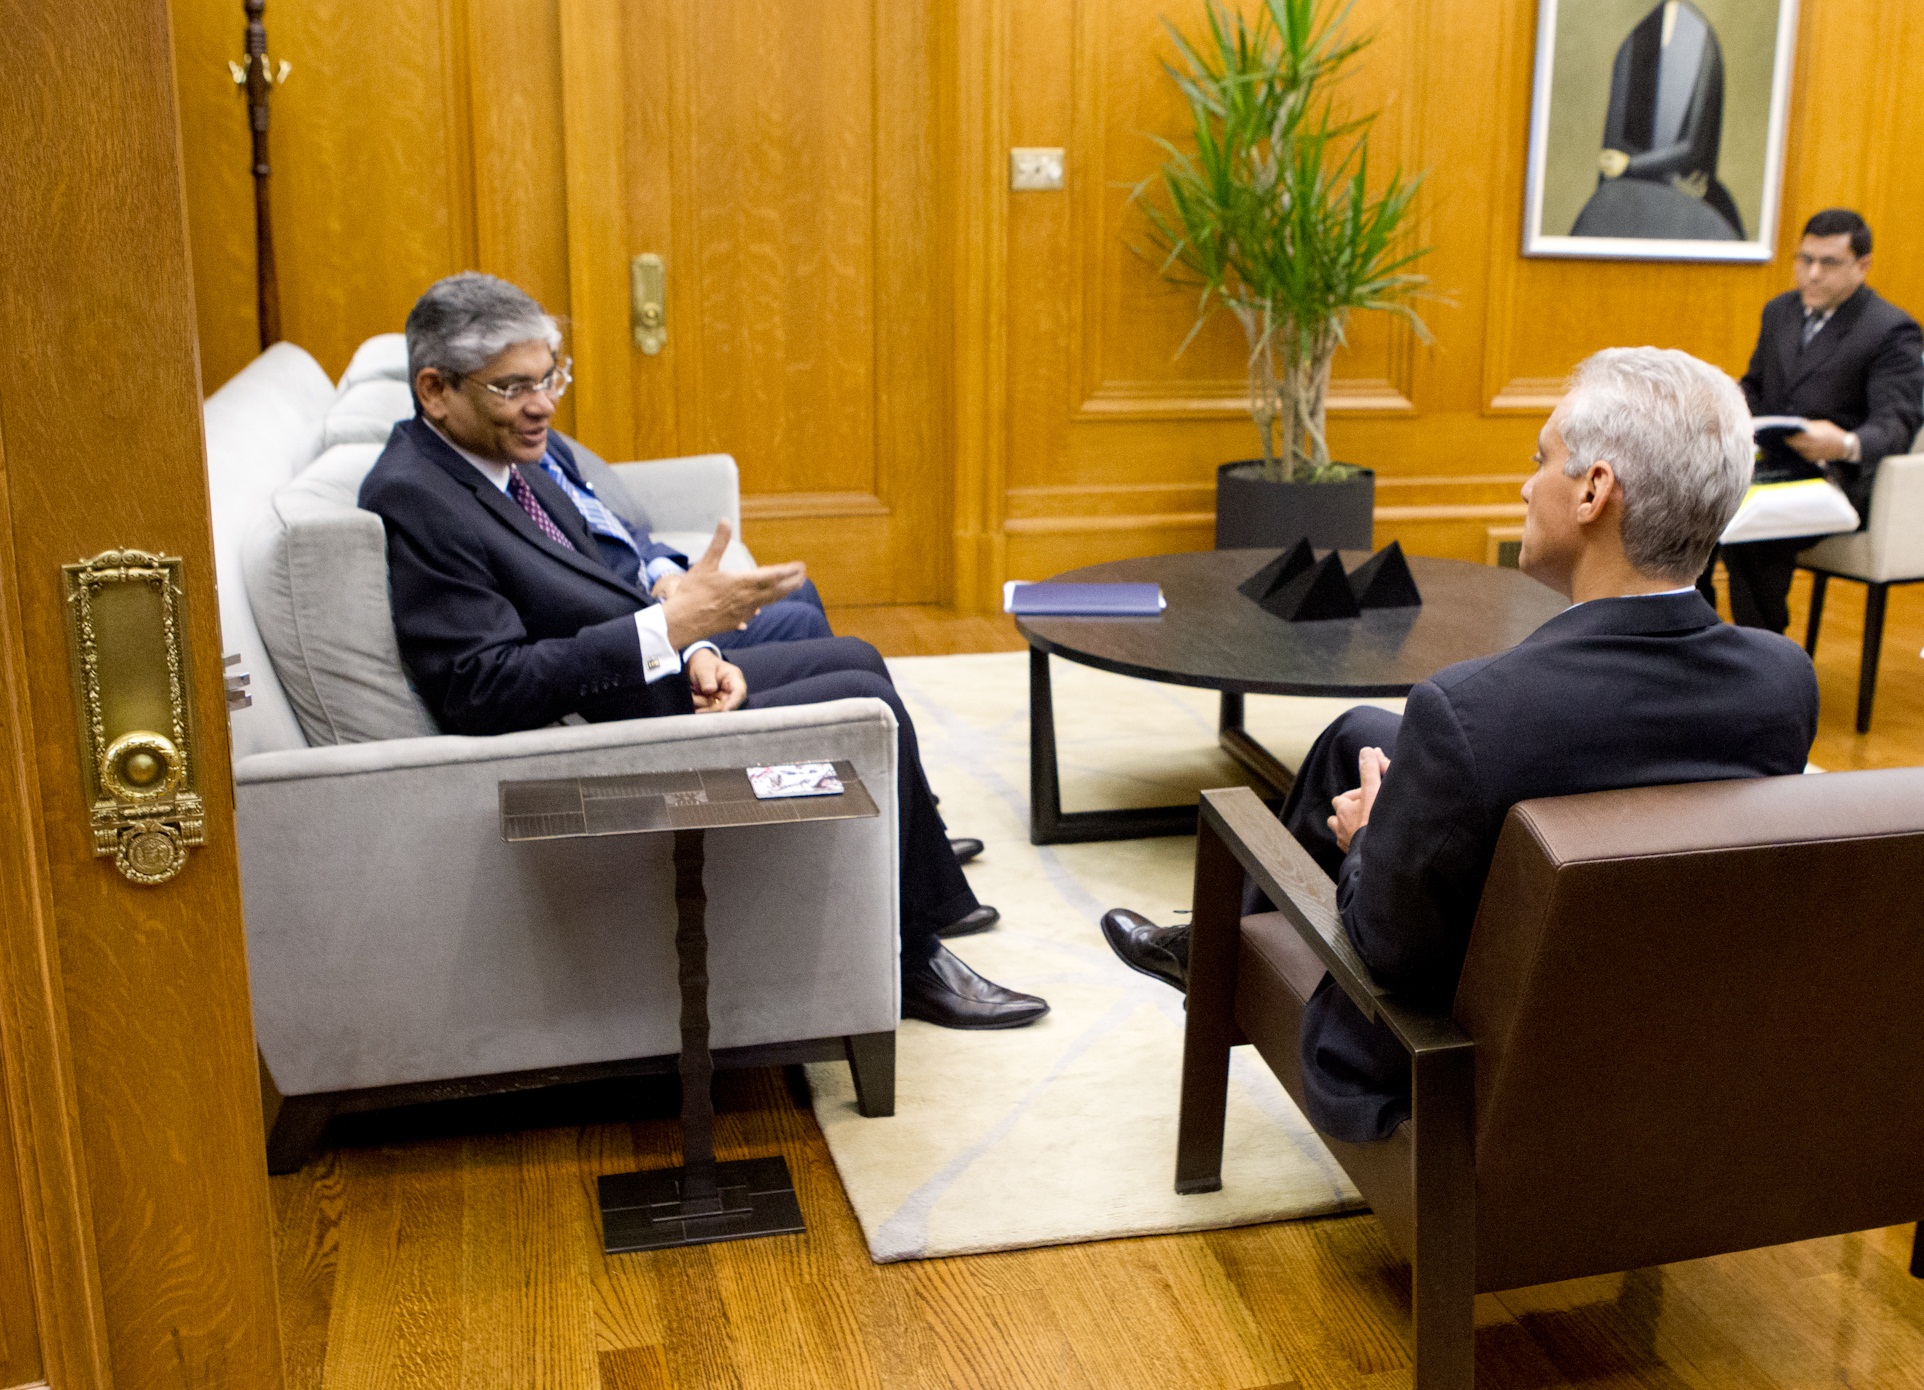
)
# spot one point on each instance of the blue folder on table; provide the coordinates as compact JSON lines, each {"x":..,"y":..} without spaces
{"x":1065,"y":600}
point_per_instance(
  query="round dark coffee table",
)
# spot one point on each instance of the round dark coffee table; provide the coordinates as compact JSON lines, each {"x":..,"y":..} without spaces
{"x":1212,"y":636}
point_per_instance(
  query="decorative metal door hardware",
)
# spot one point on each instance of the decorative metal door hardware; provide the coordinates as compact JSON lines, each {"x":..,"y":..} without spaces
{"x":132,"y":690}
{"x":648,"y":302}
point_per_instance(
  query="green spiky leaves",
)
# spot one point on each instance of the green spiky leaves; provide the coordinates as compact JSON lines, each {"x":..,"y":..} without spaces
{"x":1271,"y":213}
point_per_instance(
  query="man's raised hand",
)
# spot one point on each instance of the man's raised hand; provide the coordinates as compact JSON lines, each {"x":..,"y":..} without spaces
{"x":709,"y":600}
{"x":710,"y":560}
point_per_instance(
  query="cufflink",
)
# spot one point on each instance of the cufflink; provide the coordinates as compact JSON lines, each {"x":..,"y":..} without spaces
{"x":654,"y":663}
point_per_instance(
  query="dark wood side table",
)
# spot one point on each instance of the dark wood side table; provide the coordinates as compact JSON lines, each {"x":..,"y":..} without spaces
{"x":1212,"y":636}
{"x":701,"y":1201}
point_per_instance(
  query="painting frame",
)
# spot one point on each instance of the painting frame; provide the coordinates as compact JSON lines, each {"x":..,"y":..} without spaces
{"x":1759,"y":245}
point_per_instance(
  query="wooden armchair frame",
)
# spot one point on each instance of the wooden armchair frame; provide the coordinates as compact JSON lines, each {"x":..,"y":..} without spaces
{"x":1422,"y":1182}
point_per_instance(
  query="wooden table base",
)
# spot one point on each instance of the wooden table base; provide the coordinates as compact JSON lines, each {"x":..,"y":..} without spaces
{"x":1049,"y":824}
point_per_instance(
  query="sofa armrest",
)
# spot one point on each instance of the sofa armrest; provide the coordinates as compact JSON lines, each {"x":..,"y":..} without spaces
{"x":677,"y":742}
{"x":1304,"y":894}
{"x":687,"y":494}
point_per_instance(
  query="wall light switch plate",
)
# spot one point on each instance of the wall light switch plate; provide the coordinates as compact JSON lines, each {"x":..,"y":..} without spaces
{"x":1035,"y":167}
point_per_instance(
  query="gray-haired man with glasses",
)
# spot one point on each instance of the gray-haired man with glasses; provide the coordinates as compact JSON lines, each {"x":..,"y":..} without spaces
{"x":520,"y":597}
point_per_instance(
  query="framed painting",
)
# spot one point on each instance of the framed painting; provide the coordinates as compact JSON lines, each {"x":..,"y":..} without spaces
{"x":1657,"y":130}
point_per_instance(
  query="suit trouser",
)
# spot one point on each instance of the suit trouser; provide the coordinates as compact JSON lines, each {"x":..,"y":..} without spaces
{"x":1356,"y":1077}
{"x":1760,"y":574}
{"x":934,"y":892}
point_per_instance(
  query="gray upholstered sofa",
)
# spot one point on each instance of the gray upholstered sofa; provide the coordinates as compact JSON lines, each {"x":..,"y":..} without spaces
{"x":399,"y":949}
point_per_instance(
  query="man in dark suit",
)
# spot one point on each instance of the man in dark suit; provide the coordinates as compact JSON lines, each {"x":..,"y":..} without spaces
{"x":513,"y":611}
{"x":1852,"y":363}
{"x":1636,"y":684}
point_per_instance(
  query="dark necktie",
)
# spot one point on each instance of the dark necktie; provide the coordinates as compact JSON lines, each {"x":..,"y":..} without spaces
{"x":519,"y":490}
{"x":1812,"y":322}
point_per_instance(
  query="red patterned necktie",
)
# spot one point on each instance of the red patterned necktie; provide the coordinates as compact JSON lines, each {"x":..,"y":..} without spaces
{"x":519,"y":490}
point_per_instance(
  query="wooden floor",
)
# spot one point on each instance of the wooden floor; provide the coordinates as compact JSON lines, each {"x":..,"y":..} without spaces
{"x":457,"y":1245}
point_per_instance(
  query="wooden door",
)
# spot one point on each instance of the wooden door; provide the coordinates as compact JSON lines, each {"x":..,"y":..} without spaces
{"x":780,"y":156}
{"x":135,"y":1248}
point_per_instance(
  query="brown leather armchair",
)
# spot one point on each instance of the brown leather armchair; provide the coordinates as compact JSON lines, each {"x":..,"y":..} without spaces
{"x":1691,"y":1021}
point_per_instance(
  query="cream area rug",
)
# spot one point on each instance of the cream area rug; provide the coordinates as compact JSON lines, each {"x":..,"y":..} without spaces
{"x":1066,"y":1131}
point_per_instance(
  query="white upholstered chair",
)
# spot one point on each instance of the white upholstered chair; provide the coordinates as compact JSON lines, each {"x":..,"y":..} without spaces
{"x":1888,"y":551}
{"x":398,"y":950}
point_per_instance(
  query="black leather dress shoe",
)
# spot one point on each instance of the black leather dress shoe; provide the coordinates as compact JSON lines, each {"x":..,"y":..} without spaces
{"x":981,"y":919}
{"x":947,"y":993}
{"x":964,"y":847}
{"x":1162,"y":953}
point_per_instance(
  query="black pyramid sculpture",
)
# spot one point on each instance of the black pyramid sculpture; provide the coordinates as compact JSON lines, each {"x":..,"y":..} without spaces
{"x":1319,"y":592}
{"x":1384,"y":581}
{"x":1278,"y":572}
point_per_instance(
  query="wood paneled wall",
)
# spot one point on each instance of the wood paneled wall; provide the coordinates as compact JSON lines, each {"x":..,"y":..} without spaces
{"x":414,"y":138}
{"x":421,"y":136}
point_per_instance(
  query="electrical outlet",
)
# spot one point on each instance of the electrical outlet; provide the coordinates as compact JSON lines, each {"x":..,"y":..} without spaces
{"x":1035,"y":167}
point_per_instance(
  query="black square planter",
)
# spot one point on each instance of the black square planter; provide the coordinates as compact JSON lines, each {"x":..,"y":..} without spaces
{"x":1253,"y":513}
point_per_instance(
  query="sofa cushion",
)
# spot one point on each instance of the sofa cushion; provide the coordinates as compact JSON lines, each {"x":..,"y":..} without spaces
{"x":316,"y":572}
{"x":366,"y":413}
{"x":263,"y":427}
{"x":385,"y":355}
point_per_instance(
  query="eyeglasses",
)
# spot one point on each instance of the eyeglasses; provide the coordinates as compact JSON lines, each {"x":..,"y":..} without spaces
{"x":554,"y":385}
{"x":1821,"y":262}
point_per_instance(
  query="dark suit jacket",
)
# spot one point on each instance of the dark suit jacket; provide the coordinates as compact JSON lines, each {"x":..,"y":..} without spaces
{"x":500,"y":627}
{"x":1620,"y":692}
{"x":1864,"y":371}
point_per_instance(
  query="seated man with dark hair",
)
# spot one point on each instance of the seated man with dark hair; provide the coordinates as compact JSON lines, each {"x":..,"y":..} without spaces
{"x":1852,"y":363}
{"x":516,"y":605}
{"x":1636,"y":684}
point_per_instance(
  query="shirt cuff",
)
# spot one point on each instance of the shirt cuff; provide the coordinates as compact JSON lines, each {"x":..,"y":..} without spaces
{"x":659,"y":566}
{"x":658,"y":655}
{"x":1853,"y":448}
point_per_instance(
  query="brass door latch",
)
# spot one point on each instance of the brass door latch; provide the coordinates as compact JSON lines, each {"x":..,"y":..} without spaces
{"x":648,"y":302}
{"x":132,"y":691}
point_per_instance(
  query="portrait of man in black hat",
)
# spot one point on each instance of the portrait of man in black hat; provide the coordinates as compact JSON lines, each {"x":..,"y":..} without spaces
{"x":1657,"y":129}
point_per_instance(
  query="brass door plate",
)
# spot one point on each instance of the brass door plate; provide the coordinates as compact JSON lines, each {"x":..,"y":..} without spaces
{"x":132,"y":690}
{"x":648,"y":302}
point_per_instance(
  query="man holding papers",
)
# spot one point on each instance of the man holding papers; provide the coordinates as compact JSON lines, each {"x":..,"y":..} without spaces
{"x":1850,"y":364}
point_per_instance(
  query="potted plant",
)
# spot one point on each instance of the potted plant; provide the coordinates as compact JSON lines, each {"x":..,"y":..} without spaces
{"x":1271,"y":216}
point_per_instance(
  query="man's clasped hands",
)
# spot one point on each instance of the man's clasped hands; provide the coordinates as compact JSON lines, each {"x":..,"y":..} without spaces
{"x":1353,"y":807}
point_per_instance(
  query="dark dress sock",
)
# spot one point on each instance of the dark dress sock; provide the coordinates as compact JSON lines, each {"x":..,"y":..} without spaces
{"x":934,"y":890}
{"x":1760,"y":574}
